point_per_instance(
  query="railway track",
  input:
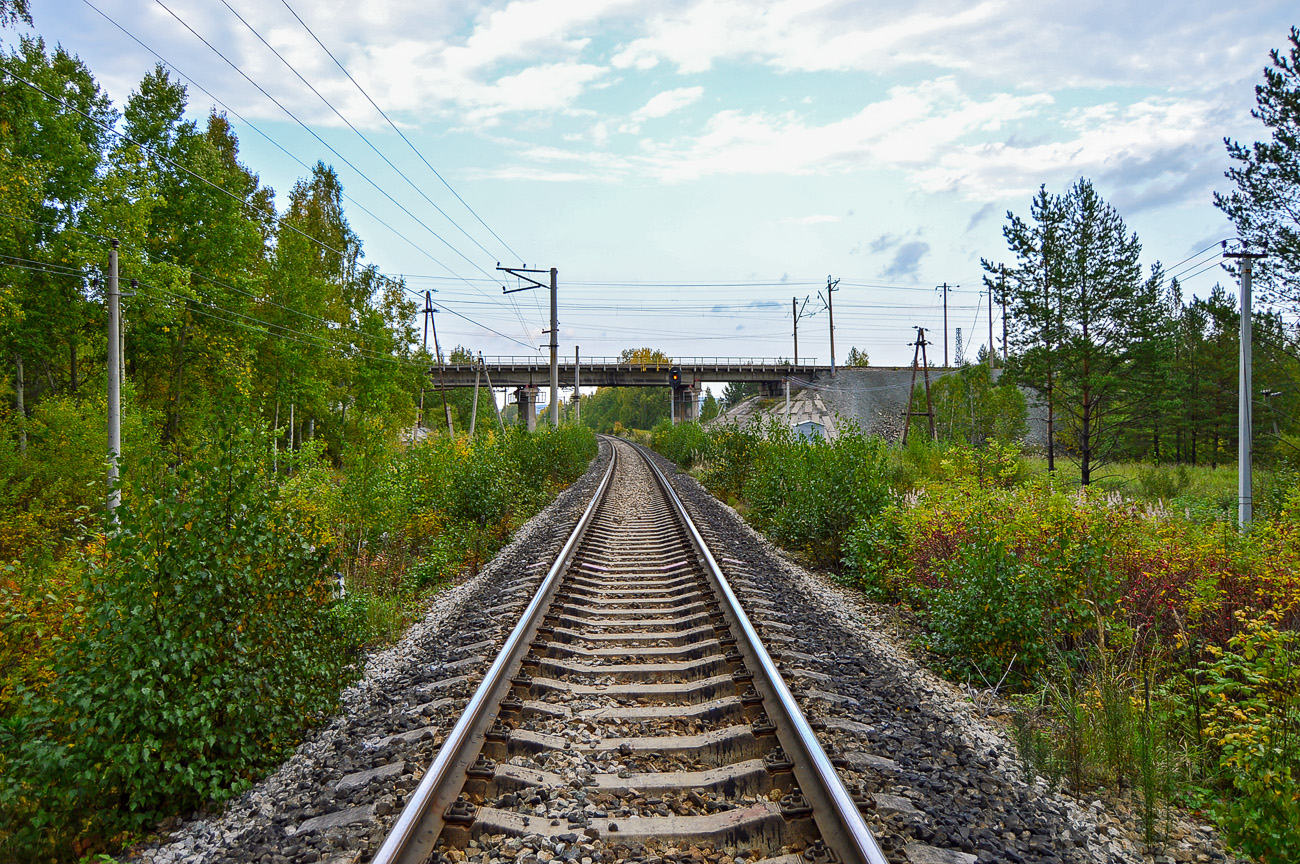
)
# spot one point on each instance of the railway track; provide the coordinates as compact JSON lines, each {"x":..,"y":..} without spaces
{"x":632,"y":711}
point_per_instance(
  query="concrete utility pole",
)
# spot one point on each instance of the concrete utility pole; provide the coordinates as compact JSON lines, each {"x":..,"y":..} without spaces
{"x":114,"y":383}
{"x":492,"y":391}
{"x":830,"y":309}
{"x":1245,"y":497}
{"x":990,"y":328}
{"x":473,"y":411}
{"x":554,"y":331}
{"x":944,"y":288}
{"x":797,"y":312}
{"x":555,"y":356}
{"x":1003,"y":288}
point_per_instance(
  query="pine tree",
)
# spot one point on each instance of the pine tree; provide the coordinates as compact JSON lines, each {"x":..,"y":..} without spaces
{"x":1267,"y":179}
{"x":1080,"y":312}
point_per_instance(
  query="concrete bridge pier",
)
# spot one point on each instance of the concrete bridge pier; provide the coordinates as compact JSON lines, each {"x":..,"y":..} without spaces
{"x":685,"y":404}
{"x":527,"y":399}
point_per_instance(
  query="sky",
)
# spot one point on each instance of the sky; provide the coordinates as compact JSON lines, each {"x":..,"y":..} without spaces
{"x":693,"y":168}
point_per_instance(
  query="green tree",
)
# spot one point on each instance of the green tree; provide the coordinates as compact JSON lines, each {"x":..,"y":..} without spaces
{"x":709,"y":407}
{"x":972,"y":408}
{"x":1028,"y":293}
{"x":857,"y":358}
{"x":1080,"y":310}
{"x":736,"y":392}
{"x":13,"y":11}
{"x":52,"y":131}
{"x":1267,"y":178}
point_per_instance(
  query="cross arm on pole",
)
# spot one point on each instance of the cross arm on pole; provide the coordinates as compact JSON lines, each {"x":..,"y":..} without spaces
{"x":520,"y":273}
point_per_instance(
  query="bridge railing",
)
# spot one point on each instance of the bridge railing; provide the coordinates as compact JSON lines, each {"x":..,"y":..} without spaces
{"x":529,"y":360}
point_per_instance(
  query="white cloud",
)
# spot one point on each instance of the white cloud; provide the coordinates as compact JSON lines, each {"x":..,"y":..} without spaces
{"x":661,"y":105}
{"x":1143,"y":141}
{"x":1037,"y":45}
{"x":665,"y":103}
{"x":909,"y":128}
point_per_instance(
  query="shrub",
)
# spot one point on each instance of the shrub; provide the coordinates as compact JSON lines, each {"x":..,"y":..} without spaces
{"x":687,"y":444}
{"x":1252,"y":688}
{"x":206,"y":645}
{"x":807,"y":494}
{"x":1162,"y":482}
{"x":990,"y":609}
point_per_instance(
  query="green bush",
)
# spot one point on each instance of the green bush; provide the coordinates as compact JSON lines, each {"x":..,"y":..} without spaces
{"x":807,"y":494}
{"x":1252,"y":688}
{"x":687,"y":444}
{"x":206,"y":645}
{"x":989,"y":610}
{"x":1164,"y":483}
{"x":731,"y":459}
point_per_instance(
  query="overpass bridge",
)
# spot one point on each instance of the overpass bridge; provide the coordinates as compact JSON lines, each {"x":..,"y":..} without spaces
{"x":683,"y":374}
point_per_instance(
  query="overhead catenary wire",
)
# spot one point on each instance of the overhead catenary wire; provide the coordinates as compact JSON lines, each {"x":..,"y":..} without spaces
{"x":350,"y":199}
{"x":243,"y":202}
{"x":321,"y":140}
{"x":362,"y":136}
{"x":170,"y":297}
{"x":45,"y":267}
{"x":343,"y":158}
{"x":402,"y":135}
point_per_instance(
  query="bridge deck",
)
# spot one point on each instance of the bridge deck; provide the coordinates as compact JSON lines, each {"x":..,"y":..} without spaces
{"x":612,"y":372}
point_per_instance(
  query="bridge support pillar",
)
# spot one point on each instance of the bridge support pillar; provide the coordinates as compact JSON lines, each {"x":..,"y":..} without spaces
{"x":527,"y":399}
{"x":685,"y":402}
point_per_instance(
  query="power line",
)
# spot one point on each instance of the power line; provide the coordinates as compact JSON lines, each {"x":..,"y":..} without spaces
{"x":243,"y":202}
{"x":360,"y":135}
{"x":326,"y":144}
{"x":112,"y":131}
{"x":276,"y":144}
{"x":345,"y":160}
{"x":192,"y":272}
{"x":402,"y":135}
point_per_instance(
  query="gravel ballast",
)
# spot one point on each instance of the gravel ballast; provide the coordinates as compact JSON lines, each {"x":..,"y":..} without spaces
{"x":942,"y":781}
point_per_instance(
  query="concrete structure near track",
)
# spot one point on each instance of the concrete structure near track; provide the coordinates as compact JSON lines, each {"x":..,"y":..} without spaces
{"x":684,"y":375}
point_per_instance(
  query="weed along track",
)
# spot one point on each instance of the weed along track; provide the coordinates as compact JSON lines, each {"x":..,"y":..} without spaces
{"x":599,"y":694}
{"x":632,"y":713}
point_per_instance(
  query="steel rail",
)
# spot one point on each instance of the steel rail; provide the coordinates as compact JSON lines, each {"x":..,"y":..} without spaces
{"x":851,"y":832}
{"x":417,"y":828}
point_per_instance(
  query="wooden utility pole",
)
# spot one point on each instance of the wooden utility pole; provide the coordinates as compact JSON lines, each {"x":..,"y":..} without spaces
{"x":577,"y":392}
{"x":918,"y":357}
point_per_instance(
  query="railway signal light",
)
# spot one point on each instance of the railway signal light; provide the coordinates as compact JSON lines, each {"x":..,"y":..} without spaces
{"x":675,"y":376}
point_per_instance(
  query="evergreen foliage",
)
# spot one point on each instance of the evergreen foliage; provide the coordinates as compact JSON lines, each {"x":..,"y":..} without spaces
{"x":1266,"y":175}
